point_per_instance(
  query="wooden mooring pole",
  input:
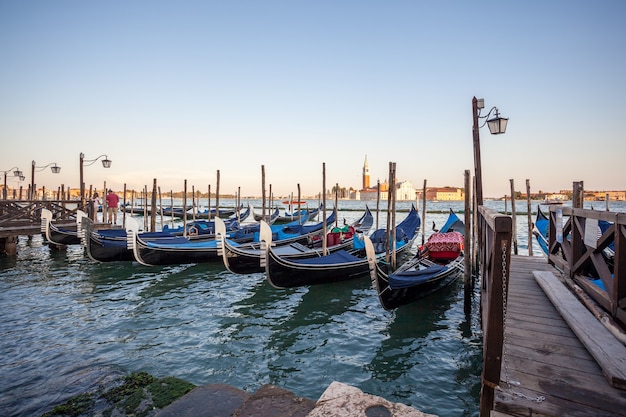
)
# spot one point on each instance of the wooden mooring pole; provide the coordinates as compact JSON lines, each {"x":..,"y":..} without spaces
{"x":263,"y":206}
{"x":8,"y":245}
{"x":467,"y":260}
{"x":153,"y":206}
{"x":424,"y":213}
{"x":514,"y":216}
{"x":530,"y":219}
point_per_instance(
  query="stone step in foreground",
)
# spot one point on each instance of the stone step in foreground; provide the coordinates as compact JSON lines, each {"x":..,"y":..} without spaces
{"x":339,"y":400}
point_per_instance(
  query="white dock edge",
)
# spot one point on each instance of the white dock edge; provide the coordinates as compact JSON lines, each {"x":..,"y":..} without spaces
{"x":341,"y":400}
{"x":609,"y":353}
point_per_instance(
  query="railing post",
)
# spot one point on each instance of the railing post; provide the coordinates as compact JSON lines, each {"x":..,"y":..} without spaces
{"x":495,"y":267}
{"x":619,"y":267}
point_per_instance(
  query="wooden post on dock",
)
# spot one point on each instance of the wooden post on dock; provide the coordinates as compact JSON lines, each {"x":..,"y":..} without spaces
{"x":160,"y":206}
{"x":105,"y":206}
{"x":336,"y":203}
{"x":475,"y":239}
{"x":514,"y":216}
{"x":92,"y":210}
{"x":124,"y":209}
{"x":377,"y":201}
{"x":578,"y":194}
{"x":145,"y":207}
{"x":208,"y":207}
{"x":8,"y":245}
{"x":217,"y":195}
{"x":391,"y":225}
{"x":172,"y":206}
{"x":185,"y":208}
{"x":193,"y":202}
{"x":478,"y":182}
{"x":530,"y":219}
{"x":424,"y":213}
{"x":195,"y":208}
{"x":238,"y":204}
{"x":467,"y":267}
{"x":153,"y":206}
{"x":495,"y":266}
{"x":299,"y":214}
{"x":263,"y":191}
{"x":299,"y":197}
{"x":324,"y":208}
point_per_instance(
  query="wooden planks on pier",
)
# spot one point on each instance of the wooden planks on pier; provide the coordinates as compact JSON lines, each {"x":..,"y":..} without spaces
{"x":546,"y":370}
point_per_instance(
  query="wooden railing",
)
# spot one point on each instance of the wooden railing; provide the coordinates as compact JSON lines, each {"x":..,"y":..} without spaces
{"x":24,"y":216}
{"x":494,"y":243}
{"x":589,"y":246}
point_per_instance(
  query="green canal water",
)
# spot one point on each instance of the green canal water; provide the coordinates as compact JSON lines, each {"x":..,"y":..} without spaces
{"x":69,"y":325}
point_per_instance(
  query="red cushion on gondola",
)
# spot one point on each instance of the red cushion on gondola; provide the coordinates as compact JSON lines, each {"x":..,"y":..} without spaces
{"x":445,"y":242}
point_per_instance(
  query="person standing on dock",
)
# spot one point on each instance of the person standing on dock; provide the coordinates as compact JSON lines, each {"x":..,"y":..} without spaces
{"x":95,"y":205}
{"x":112,"y":203}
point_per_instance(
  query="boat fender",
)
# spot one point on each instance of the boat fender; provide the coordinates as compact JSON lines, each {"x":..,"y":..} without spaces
{"x":192,"y":231}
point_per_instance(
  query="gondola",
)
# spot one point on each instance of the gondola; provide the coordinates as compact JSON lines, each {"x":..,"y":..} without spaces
{"x":282,"y":272}
{"x":178,"y":212}
{"x":181,"y":250}
{"x":166,"y":211}
{"x":439,"y":263}
{"x":542,"y":226}
{"x":105,"y":245}
{"x":268,"y":219}
{"x":224,"y":213}
{"x":540,"y":230}
{"x":302,"y":216}
{"x":111,"y":244}
{"x":248,"y":259}
{"x":61,"y":234}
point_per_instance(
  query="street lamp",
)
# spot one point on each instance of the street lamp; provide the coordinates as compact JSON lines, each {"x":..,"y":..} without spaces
{"x":54,"y":168}
{"x":16,"y":173}
{"x":497,"y":126}
{"x":106,"y":163}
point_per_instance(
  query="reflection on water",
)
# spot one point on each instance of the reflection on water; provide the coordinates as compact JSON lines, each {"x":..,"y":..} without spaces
{"x":70,"y":325}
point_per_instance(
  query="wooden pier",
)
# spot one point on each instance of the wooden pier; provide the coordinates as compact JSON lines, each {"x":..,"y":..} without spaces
{"x":23,"y":218}
{"x":546,"y":369}
{"x":545,"y":351}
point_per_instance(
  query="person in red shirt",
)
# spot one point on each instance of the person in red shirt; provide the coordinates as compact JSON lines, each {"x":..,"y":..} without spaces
{"x":112,"y":203}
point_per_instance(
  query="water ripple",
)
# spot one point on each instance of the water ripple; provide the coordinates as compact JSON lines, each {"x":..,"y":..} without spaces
{"x":70,"y":324}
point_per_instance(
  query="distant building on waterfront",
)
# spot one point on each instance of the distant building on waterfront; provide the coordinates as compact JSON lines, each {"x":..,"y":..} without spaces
{"x":442,"y":194}
{"x":366,"y":175}
{"x":404,"y":189}
{"x":602,"y":195}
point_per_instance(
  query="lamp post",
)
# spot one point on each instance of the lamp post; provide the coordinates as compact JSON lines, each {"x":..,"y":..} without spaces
{"x":106,"y":163}
{"x":16,"y":173}
{"x":497,"y":125}
{"x":53,"y":167}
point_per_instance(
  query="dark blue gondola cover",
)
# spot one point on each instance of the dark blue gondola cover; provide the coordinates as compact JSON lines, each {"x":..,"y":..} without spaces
{"x":409,"y":279}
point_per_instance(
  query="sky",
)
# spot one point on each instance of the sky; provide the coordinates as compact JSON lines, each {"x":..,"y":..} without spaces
{"x":182,"y":90}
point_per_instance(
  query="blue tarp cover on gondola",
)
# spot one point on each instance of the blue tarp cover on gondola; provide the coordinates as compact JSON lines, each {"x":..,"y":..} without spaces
{"x":340,"y":256}
{"x":358,"y":242}
{"x":409,"y":279}
{"x":179,"y":242}
{"x":453,"y":224}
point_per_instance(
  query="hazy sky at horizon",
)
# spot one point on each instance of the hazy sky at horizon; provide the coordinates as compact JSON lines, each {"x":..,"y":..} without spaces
{"x":179,"y":90}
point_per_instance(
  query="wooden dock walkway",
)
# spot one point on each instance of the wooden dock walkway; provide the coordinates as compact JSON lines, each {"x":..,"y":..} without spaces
{"x":546,"y":370}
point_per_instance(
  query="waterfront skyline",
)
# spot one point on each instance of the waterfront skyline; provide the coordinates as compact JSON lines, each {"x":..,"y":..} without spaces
{"x":178,"y":91}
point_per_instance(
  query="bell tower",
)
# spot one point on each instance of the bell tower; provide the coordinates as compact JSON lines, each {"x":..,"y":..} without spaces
{"x":366,"y":175}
